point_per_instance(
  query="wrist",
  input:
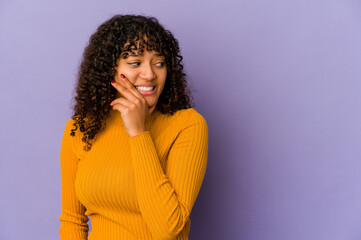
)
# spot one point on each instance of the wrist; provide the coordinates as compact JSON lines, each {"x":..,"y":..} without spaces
{"x":132,"y":134}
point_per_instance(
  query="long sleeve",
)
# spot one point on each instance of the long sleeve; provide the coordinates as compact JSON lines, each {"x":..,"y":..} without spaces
{"x":166,"y":198}
{"x":73,"y":225}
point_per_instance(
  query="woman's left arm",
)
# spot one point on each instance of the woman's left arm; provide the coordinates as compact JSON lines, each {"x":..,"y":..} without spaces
{"x":166,"y":197}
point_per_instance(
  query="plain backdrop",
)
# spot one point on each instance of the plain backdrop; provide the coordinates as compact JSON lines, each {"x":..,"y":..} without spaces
{"x":277,"y":81}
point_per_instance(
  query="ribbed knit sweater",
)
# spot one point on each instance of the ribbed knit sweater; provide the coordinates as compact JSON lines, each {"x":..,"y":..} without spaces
{"x":139,"y":187}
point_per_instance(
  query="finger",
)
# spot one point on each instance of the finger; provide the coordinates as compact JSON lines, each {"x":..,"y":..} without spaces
{"x":121,"y":100}
{"x":120,"y":107}
{"x":130,"y":86}
{"x":124,"y":91}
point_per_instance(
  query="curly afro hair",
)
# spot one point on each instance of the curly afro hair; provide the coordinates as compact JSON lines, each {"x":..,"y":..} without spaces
{"x":115,"y":38}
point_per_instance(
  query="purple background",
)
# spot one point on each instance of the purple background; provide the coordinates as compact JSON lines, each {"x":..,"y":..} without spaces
{"x":277,"y":81}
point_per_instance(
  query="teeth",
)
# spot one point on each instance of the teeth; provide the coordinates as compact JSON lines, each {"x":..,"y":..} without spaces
{"x":145,"y":88}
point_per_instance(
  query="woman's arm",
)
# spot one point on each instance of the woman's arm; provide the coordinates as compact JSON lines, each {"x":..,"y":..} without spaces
{"x":73,"y":225}
{"x":166,"y":198}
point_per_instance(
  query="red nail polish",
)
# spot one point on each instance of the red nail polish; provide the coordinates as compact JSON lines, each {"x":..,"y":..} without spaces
{"x":122,"y":76}
{"x":113,"y":81}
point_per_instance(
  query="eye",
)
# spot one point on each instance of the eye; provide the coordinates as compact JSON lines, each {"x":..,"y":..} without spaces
{"x":134,"y":63}
{"x":160,"y":64}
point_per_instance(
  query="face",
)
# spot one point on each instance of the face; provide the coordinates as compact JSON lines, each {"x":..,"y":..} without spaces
{"x":147,"y":69}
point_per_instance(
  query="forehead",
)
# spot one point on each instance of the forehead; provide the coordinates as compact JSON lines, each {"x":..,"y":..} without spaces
{"x":126,"y":55}
{"x":138,"y":47}
{"x":138,"y":53}
{"x":145,"y":52}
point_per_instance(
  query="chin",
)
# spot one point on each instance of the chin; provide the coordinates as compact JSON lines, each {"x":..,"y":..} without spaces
{"x":151,"y":104}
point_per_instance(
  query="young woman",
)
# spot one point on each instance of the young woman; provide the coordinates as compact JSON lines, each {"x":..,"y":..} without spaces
{"x":134,"y":155}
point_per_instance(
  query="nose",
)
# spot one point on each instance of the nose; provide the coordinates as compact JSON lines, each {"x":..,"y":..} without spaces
{"x":147,"y":72}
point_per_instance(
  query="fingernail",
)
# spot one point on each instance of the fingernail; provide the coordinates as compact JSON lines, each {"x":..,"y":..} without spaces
{"x":122,"y":76}
{"x":113,"y":81}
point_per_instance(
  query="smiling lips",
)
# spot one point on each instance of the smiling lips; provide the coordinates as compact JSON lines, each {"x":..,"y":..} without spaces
{"x":144,"y":85}
{"x":146,"y":91}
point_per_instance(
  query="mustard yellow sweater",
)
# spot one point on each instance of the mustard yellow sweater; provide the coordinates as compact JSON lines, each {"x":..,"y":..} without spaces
{"x":140,"y":187}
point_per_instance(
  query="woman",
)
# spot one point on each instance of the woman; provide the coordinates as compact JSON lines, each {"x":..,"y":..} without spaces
{"x":134,"y":154}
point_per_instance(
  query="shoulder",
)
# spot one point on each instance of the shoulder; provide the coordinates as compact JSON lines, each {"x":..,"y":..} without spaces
{"x":75,"y":136}
{"x":195,"y":116}
{"x":189,"y":117}
{"x":191,"y":128}
{"x":192,"y":114}
{"x":70,"y":126}
{"x":67,"y":129}
{"x":73,"y":128}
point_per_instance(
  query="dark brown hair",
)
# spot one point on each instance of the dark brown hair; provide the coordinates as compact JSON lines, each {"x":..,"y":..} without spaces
{"x":113,"y":39}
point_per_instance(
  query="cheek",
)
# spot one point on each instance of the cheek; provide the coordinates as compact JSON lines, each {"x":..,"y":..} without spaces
{"x":161,"y":87}
{"x":130,"y":74}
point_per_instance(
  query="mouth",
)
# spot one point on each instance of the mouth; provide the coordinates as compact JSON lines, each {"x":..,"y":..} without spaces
{"x":146,"y":90}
